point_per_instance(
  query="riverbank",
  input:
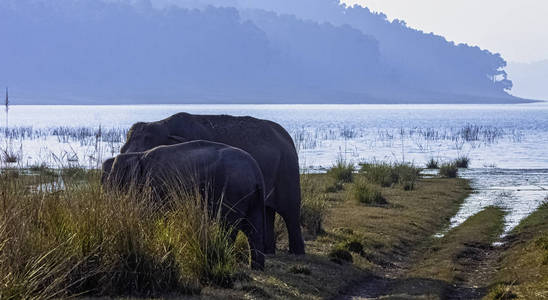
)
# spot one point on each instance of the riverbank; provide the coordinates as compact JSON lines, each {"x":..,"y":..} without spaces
{"x":378,"y":238}
{"x":362,"y":239}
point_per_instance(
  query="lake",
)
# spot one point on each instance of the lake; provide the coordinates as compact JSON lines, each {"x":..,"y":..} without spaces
{"x":507,"y":144}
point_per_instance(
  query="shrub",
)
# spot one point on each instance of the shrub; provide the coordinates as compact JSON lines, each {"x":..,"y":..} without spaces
{"x":462,"y":162}
{"x":366,"y":193}
{"x":342,"y":171}
{"x":339,"y":255}
{"x":449,"y":170}
{"x":432,"y":164}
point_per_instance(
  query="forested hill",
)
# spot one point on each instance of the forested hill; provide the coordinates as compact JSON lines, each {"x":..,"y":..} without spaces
{"x":257,"y":51}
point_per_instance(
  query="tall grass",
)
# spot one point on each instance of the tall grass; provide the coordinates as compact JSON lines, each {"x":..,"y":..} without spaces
{"x":432,"y":164}
{"x":83,"y":241}
{"x":449,"y":170}
{"x":462,"y":162}
{"x":364,"y":192}
{"x":342,"y":171}
{"x":387,"y":175}
{"x":313,"y":205}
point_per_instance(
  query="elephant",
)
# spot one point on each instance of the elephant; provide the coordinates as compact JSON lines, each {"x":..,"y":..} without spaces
{"x":228,"y":177}
{"x":268,"y":142}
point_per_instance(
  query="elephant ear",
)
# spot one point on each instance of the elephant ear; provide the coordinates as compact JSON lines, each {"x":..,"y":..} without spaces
{"x":177,"y":139}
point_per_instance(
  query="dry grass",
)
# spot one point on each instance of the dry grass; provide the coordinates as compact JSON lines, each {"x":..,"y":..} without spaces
{"x":385,"y":234}
{"x":82,"y":241}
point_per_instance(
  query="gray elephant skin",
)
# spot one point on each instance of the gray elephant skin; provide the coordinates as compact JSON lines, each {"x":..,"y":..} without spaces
{"x":228,"y":177}
{"x":269,"y":144}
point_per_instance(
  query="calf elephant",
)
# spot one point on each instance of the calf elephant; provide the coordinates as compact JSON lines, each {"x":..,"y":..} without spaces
{"x":228,"y":177}
{"x":270,"y":145}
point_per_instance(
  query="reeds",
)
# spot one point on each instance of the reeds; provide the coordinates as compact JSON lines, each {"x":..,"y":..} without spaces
{"x":449,"y":170}
{"x":82,"y":241}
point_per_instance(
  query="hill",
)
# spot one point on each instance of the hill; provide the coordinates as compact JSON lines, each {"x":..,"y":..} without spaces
{"x":99,"y":52}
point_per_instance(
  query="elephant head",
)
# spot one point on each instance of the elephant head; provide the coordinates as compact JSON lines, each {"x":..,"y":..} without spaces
{"x":124,"y":173}
{"x":105,"y":170}
{"x":145,"y":136}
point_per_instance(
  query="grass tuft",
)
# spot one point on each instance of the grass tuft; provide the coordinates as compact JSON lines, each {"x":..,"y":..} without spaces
{"x":342,"y":171}
{"x":366,"y":193}
{"x":432,"y":164}
{"x":387,"y":175}
{"x":449,"y":170}
{"x":462,"y":162}
{"x":313,"y":206}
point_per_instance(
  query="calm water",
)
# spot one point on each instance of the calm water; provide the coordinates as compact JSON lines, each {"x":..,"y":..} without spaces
{"x":507,"y":144}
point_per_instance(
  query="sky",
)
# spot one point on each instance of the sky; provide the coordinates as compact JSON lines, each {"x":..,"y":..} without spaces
{"x":518,"y":29}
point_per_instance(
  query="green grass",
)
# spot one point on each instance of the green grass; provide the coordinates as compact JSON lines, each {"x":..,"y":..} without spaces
{"x":523,"y":268}
{"x":342,"y":171}
{"x":364,"y":192}
{"x":449,"y":258}
{"x":313,"y":206}
{"x":449,"y":170}
{"x":387,"y":175}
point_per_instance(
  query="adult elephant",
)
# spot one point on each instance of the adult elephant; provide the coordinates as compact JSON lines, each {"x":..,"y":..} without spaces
{"x":229,"y":178}
{"x":269,"y":144}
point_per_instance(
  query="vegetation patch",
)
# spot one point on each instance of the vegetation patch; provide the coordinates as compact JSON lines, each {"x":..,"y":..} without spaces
{"x":342,"y":171}
{"x":387,"y":175}
{"x":462,"y":162}
{"x":366,"y":193}
{"x":81,"y":241}
{"x":449,"y":170}
{"x":432,"y":164}
{"x":522,"y":272}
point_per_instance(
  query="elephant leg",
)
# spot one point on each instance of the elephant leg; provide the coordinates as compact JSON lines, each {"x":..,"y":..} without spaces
{"x":288,"y":205}
{"x":293,"y":224}
{"x":256,"y":246}
{"x":270,"y":237}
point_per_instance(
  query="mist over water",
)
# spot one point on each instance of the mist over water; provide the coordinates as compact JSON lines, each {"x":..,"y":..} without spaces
{"x":307,"y":51}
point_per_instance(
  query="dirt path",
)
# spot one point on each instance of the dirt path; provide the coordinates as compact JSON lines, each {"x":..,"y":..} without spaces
{"x":458,"y":266}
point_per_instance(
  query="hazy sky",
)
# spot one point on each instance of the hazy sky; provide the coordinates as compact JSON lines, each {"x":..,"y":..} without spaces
{"x":518,"y":29}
